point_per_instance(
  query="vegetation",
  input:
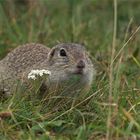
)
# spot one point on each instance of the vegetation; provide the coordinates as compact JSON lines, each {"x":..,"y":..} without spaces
{"x":110,"y":31}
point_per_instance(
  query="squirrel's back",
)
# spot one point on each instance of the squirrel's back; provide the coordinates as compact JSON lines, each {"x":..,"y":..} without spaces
{"x":25,"y":56}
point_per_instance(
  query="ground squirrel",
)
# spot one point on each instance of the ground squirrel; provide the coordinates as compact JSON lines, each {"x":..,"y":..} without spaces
{"x":65,"y":61}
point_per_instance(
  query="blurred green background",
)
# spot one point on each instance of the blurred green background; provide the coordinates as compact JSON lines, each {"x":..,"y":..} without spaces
{"x":51,"y":21}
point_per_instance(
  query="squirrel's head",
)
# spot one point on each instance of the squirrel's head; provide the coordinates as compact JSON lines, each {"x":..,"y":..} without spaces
{"x":71,"y":59}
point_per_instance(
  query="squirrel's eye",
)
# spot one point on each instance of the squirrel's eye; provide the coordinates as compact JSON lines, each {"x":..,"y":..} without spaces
{"x":63,"y":52}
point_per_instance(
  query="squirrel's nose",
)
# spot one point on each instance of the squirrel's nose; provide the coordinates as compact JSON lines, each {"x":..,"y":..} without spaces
{"x":81,"y":64}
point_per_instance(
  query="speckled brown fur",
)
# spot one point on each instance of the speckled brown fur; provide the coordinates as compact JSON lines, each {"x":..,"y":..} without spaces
{"x":18,"y":63}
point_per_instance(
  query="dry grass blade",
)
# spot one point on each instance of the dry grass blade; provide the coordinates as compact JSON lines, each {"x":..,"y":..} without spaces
{"x":125,"y":44}
{"x":5,"y":114}
{"x":77,"y":104}
{"x":111,"y":77}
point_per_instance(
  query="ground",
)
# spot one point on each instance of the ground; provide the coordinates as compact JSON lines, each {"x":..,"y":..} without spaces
{"x":111,"y":110}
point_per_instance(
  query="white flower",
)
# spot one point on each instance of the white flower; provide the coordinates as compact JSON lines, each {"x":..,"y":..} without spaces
{"x":31,"y":77}
{"x":34,"y":73}
{"x":46,"y":72}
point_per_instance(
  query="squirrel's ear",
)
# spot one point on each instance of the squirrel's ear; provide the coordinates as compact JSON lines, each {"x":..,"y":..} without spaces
{"x":51,"y":53}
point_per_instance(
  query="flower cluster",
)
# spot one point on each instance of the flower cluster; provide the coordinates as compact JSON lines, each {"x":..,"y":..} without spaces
{"x":34,"y":73}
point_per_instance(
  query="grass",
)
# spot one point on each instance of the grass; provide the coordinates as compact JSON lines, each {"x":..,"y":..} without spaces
{"x":111,"y":109}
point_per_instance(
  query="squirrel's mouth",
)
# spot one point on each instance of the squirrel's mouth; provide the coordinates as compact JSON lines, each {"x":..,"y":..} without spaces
{"x":79,"y":72}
